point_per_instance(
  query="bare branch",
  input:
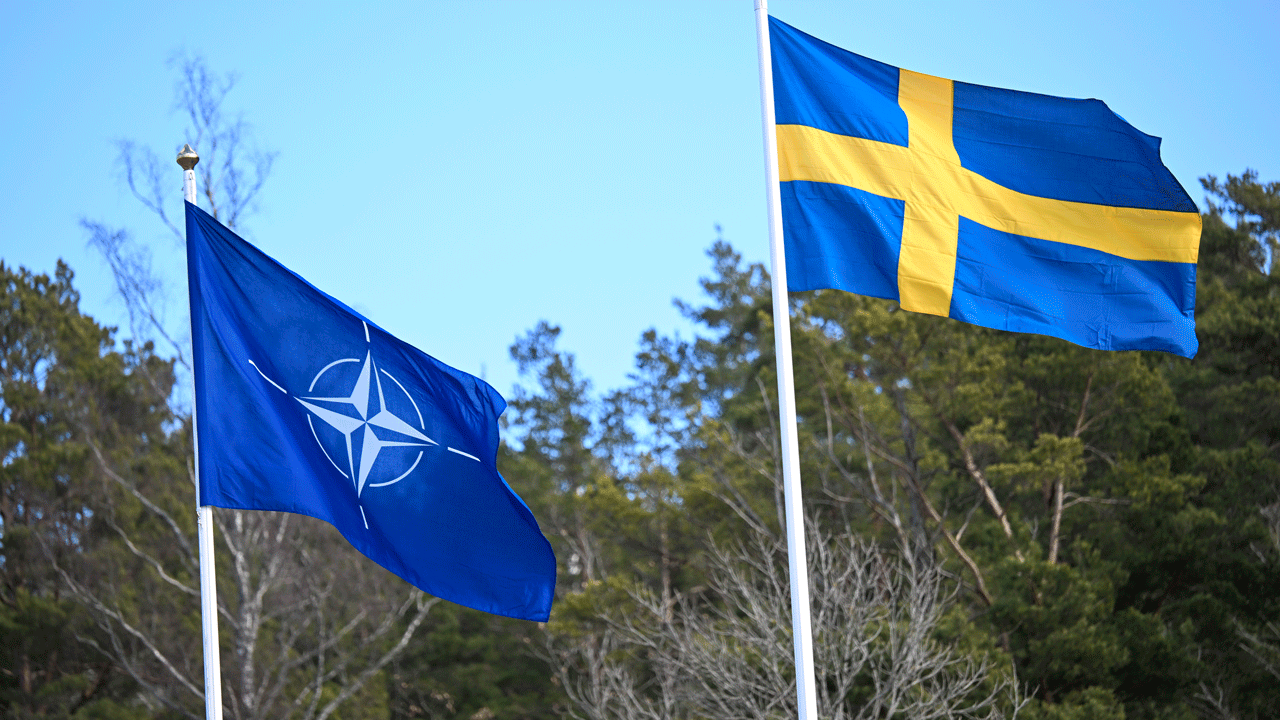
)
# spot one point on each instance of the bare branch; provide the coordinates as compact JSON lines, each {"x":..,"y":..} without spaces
{"x":1078,"y":499}
{"x":152,"y":561}
{"x":141,"y":290}
{"x":146,"y":177}
{"x":100,"y":608}
{"x":1263,"y":646}
{"x":423,"y":605}
{"x":980,"y":478}
{"x":179,"y":536}
{"x":727,"y":652}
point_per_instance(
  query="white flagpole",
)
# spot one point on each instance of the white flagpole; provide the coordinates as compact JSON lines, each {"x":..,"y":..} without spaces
{"x":801,"y":624}
{"x":204,"y":519}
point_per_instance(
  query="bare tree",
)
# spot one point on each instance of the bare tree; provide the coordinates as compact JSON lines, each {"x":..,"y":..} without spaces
{"x":231,"y":173}
{"x":727,"y":652}
{"x":308,"y":623}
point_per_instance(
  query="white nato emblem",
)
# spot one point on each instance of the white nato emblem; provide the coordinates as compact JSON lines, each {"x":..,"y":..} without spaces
{"x":374,"y":428}
{"x":370,"y":428}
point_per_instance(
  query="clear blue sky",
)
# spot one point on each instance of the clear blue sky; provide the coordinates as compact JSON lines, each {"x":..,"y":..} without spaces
{"x":460,"y":171}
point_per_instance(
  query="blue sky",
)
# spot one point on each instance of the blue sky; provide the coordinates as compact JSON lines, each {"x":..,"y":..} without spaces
{"x":460,"y":171}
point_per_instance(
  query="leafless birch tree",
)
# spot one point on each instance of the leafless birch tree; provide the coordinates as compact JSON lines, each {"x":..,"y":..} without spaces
{"x":306,"y":622}
{"x":726,"y":651}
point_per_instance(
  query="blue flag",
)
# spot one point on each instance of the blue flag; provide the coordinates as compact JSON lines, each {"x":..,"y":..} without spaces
{"x":1000,"y":208}
{"x":305,"y":406}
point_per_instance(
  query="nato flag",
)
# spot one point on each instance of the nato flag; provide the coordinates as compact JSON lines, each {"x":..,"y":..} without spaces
{"x":305,"y":406}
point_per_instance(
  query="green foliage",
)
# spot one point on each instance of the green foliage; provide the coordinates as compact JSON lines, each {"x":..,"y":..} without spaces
{"x":62,"y":386}
{"x":1107,"y":524}
{"x":466,"y":664}
{"x":1112,"y":517}
{"x":1092,"y":704}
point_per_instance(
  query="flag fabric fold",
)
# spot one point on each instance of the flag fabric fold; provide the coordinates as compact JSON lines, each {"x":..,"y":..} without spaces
{"x":305,"y":406}
{"x":1004,"y":209}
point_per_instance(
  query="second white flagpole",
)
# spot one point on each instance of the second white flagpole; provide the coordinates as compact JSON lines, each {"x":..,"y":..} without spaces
{"x":204,"y":519}
{"x":801,"y":624}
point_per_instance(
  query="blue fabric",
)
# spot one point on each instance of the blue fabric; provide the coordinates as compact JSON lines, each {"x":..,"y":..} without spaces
{"x":1092,"y":298}
{"x":842,"y":238}
{"x":819,"y":85}
{"x":1073,"y":150}
{"x":305,"y":406}
{"x":1077,"y":150}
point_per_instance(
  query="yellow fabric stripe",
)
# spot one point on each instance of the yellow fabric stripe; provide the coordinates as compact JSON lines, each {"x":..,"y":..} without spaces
{"x":927,"y":102}
{"x":930,"y":227}
{"x":806,"y":153}
{"x":927,"y":259}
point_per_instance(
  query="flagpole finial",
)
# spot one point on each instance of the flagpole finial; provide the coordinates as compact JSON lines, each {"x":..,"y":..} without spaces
{"x":188,"y":158}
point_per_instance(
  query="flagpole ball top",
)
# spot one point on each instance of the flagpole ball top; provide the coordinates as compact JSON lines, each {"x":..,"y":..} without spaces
{"x":188,"y":158}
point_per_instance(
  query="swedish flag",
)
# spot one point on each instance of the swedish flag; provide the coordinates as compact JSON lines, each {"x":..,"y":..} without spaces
{"x":1004,"y":209}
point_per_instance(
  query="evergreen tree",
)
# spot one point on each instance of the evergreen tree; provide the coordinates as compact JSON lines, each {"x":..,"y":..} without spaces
{"x":66,"y":392}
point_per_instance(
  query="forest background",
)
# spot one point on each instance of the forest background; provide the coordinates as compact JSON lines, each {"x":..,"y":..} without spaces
{"x":999,"y":524}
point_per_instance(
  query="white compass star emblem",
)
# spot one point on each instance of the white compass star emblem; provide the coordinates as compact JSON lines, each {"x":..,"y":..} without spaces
{"x":365,"y":421}
{"x":373,"y":427}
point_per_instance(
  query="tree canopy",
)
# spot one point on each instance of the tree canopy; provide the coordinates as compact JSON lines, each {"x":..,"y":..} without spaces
{"x":999,"y":525}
